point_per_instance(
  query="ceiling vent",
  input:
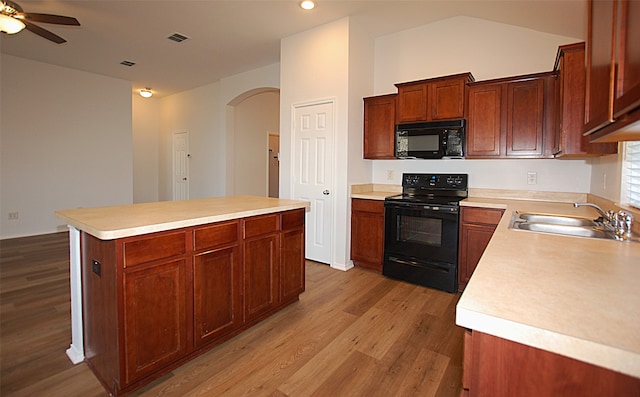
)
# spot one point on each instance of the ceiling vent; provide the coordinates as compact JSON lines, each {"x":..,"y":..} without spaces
{"x":127,"y":63}
{"x":178,"y":38}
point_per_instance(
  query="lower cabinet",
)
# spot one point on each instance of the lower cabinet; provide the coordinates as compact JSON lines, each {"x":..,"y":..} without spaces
{"x":496,"y":367}
{"x":476,"y":228}
{"x":153,"y":341}
{"x":154,"y":301}
{"x":367,"y":233}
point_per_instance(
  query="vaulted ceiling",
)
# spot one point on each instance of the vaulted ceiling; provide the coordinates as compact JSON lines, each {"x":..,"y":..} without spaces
{"x":227,"y":37}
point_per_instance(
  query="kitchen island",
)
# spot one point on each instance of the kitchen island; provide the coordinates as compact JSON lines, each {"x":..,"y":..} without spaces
{"x":155,"y":284}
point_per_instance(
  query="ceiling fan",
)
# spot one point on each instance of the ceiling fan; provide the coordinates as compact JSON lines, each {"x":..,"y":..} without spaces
{"x":13,"y":19}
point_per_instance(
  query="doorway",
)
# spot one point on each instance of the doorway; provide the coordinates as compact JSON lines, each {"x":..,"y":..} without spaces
{"x":313,"y":137}
{"x":273,"y":166}
{"x":180,"y":166}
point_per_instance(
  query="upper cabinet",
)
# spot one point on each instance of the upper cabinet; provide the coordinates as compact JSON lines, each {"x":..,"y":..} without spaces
{"x":612,"y":103}
{"x":569,"y":140}
{"x":434,"y":99}
{"x":511,"y":117}
{"x":379,"y":126}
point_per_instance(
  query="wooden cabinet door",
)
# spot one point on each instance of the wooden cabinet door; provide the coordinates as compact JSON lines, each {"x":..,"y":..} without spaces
{"x":261,"y":265}
{"x":447,"y":99}
{"x":379,"y":127}
{"x":476,"y":228}
{"x":485,"y":124}
{"x":155,"y":317}
{"x":292,"y":264}
{"x":217,"y":292}
{"x":568,"y":138}
{"x":525,"y":113}
{"x":292,"y":260}
{"x":628,"y":49}
{"x":367,"y":233}
{"x":600,"y":73}
{"x":412,"y":102}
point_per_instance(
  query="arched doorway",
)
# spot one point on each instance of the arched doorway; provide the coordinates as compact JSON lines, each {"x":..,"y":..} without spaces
{"x":255,"y":120}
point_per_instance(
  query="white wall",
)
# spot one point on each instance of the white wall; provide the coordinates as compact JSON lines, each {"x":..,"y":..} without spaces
{"x":146,"y":148}
{"x":314,"y":66}
{"x":65,"y":139}
{"x":255,"y":118}
{"x":197,"y":113}
{"x":488,"y":50}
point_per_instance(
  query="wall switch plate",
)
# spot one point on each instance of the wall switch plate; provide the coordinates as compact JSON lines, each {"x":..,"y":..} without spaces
{"x":532,"y":178}
{"x":14,"y":216}
{"x":390,"y":175}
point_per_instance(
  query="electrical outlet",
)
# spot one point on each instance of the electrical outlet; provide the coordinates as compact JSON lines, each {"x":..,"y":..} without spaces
{"x":532,"y":178}
{"x":390,"y":175}
{"x":14,"y":216}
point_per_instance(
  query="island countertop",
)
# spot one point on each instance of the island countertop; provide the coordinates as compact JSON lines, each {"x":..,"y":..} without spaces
{"x":574,"y":296}
{"x":111,"y":222}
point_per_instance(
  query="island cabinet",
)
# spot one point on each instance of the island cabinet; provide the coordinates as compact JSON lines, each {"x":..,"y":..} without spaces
{"x":153,"y":301}
{"x":569,"y":140}
{"x":379,"y":126}
{"x":476,"y":228}
{"x":613,"y":71}
{"x":367,"y":233}
{"x":511,"y":117}
{"x":217,"y":281}
{"x":440,"y":98}
{"x":497,"y":367}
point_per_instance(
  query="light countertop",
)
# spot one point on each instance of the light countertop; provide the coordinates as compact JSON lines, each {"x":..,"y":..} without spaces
{"x":112,"y":222}
{"x":573,"y":296}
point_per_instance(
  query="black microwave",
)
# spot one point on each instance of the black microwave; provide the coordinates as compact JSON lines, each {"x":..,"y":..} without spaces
{"x":432,"y":140}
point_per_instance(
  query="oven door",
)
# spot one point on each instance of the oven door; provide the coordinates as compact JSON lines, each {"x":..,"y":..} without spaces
{"x":424,"y":232}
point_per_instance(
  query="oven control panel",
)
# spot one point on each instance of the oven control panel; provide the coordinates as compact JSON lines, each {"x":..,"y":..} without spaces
{"x":435,"y":181}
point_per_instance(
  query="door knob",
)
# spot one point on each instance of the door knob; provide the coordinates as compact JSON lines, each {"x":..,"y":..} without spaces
{"x":184,"y":179}
{"x":325,"y":192}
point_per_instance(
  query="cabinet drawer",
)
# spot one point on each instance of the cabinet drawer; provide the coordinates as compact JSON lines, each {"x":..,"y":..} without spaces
{"x":215,"y":235}
{"x":154,"y":247}
{"x":489,"y":216}
{"x":375,"y":206}
{"x":292,"y":219}
{"x":261,"y":225}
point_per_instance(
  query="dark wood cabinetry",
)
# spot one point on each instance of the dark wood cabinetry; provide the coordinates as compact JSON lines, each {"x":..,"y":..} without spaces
{"x":434,"y":99}
{"x":476,"y":228}
{"x":379,"y":127}
{"x":496,"y":367}
{"x":292,"y":256}
{"x":152,"y":302}
{"x":367,"y":233}
{"x":511,"y":117}
{"x":217,"y":281}
{"x":613,"y":71}
{"x":569,"y":140}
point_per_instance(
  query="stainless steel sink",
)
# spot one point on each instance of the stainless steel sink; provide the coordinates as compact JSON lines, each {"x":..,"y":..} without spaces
{"x":557,"y":219}
{"x":561,"y":224}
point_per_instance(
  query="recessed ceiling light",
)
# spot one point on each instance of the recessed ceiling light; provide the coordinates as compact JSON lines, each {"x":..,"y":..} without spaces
{"x":308,"y":4}
{"x":146,"y":93}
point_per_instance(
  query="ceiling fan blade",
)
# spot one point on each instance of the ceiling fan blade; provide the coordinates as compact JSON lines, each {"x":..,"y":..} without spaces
{"x":49,"y":18}
{"x":43,"y":32}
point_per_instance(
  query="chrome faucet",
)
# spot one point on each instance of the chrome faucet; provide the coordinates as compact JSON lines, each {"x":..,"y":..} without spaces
{"x":621,"y":222}
{"x":606,"y":215}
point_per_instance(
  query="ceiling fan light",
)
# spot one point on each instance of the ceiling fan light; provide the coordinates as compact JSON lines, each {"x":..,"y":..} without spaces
{"x":10,"y":25}
{"x":146,"y":93}
{"x":307,"y":4}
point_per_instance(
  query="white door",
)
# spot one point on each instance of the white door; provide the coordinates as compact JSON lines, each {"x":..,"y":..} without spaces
{"x":180,"y":166}
{"x":313,"y":134}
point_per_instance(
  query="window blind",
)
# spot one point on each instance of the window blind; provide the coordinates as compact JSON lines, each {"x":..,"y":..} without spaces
{"x":631,"y":186}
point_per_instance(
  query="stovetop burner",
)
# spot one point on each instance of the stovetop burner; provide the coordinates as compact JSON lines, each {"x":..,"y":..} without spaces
{"x":432,"y":189}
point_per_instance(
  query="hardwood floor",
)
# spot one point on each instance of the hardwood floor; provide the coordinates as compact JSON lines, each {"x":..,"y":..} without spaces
{"x":352,"y":333}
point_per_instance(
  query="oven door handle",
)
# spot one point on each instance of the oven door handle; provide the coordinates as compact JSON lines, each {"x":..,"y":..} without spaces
{"x":421,"y":264}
